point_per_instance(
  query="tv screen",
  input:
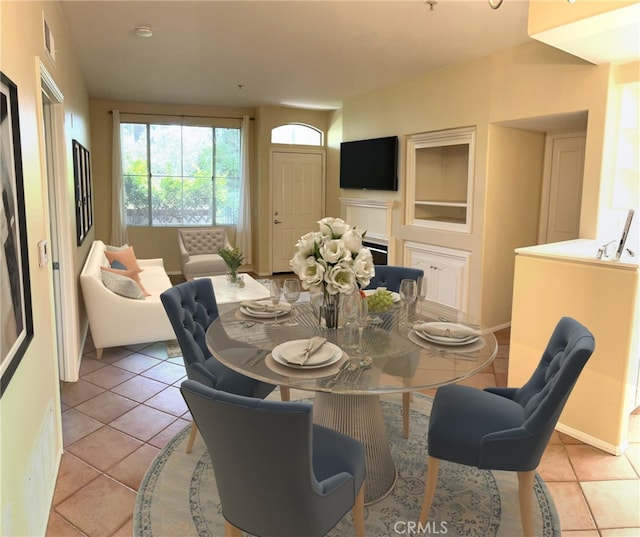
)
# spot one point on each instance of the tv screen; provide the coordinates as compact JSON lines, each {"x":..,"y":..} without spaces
{"x":369,"y":164}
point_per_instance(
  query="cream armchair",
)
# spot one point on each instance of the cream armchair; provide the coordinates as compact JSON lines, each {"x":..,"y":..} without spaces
{"x":199,"y":251}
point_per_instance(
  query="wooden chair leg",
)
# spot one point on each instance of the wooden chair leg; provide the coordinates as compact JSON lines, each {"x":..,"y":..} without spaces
{"x":525,"y":493}
{"x":433,"y":466}
{"x":358,"y":513}
{"x":406,"y":404}
{"x":285,"y":393}
{"x":192,"y":436}
{"x":231,"y":531}
{"x":99,"y":354}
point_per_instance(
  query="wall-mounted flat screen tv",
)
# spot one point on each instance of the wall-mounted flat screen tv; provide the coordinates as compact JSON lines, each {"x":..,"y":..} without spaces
{"x":369,"y":164}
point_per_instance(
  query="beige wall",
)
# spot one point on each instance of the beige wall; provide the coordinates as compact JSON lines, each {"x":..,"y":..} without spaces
{"x":515,"y":166}
{"x":147,"y":241}
{"x":163,"y":242}
{"x":31,"y":402}
{"x":528,"y":81}
{"x":267,"y":118}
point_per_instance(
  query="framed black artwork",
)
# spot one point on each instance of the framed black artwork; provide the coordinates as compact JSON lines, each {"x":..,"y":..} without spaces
{"x":16,"y":319}
{"x":84,"y":203}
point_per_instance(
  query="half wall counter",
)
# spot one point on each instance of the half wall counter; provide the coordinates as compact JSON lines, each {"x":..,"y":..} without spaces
{"x":567,"y":278}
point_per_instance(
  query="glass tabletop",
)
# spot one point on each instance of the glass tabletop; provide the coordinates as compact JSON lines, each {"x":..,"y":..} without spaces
{"x":393,"y":358}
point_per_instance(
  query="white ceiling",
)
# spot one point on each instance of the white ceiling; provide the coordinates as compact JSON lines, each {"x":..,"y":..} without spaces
{"x":311,"y":54}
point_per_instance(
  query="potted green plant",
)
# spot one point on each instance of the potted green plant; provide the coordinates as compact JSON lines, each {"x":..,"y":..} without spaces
{"x":233,"y":257}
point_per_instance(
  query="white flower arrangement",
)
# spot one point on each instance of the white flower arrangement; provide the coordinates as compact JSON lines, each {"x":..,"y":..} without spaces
{"x":333,"y":259}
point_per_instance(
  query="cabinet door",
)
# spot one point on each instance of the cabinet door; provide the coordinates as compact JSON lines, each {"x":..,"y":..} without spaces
{"x":445,"y":273}
{"x":446,"y":283}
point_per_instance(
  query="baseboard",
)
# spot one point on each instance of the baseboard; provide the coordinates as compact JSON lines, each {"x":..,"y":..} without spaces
{"x":591,"y":440}
{"x":499,"y":327}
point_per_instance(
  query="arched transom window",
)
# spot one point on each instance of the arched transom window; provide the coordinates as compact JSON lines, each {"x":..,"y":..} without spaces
{"x":296,"y":134}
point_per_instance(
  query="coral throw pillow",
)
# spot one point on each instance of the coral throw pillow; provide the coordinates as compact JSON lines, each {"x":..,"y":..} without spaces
{"x":127,"y":257}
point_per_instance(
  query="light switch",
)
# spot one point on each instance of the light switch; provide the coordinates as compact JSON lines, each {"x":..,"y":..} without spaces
{"x":43,"y":253}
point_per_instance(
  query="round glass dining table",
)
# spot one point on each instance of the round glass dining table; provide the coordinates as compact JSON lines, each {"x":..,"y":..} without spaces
{"x":393,"y":358}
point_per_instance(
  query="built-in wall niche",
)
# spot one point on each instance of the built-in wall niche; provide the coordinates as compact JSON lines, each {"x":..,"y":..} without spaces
{"x":440,"y":179}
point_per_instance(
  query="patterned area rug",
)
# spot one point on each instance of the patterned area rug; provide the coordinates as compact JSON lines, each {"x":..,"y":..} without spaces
{"x":178,"y":494}
{"x":173,"y":348}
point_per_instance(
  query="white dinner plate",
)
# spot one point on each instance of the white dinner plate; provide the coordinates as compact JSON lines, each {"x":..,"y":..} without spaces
{"x":466,"y":352}
{"x":326,"y":355}
{"x":441,"y":340}
{"x":395,"y":296}
{"x":263,"y":314}
{"x":446,"y":329}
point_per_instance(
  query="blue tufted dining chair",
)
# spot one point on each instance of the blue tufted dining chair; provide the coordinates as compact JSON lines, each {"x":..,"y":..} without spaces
{"x":277,"y":473}
{"x":507,"y":428}
{"x":390,"y":276}
{"x":191,"y":308}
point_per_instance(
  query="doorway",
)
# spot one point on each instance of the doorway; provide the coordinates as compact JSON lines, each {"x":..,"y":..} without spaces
{"x":297,"y":200}
{"x":562,"y":188}
{"x":60,"y":228}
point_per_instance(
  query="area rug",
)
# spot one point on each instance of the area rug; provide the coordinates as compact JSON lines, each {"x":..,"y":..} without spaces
{"x":178,"y":494}
{"x":173,"y":349}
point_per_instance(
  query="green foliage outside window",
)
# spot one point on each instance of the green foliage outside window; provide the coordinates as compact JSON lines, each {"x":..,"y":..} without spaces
{"x":180,"y":175}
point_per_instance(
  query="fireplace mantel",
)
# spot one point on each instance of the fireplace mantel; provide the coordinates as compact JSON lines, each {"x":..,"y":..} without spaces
{"x":374,"y":216}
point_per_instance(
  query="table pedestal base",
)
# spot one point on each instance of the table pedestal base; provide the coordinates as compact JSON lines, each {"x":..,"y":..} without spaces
{"x":360,"y":417}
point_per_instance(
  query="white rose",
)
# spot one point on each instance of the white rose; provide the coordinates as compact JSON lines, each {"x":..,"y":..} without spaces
{"x":340,"y":279}
{"x":298,"y":263}
{"x":333,"y":227}
{"x":363,"y":267}
{"x":352,"y":241}
{"x":312,"y":273}
{"x":334,"y":251}
{"x":306,"y":245}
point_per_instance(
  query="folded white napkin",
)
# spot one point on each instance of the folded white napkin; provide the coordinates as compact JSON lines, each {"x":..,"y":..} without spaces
{"x":312,"y":346}
{"x":263,"y":305}
{"x":452,"y":330}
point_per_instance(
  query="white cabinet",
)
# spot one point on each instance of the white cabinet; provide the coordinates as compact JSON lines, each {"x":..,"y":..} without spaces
{"x":440,"y":179}
{"x":446,"y":272}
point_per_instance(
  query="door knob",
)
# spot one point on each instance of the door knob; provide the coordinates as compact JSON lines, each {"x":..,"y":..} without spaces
{"x":276,"y":221}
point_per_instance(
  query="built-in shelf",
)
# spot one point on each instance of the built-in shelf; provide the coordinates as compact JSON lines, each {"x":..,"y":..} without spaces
{"x":440,"y":179}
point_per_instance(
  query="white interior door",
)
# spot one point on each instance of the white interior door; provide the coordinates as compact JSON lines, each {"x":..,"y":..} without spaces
{"x":564,"y":189}
{"x":296,"y":201}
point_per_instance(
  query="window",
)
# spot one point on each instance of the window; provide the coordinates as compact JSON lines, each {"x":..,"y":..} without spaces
{"x":296,"y":134}
{"x":177,"y":175}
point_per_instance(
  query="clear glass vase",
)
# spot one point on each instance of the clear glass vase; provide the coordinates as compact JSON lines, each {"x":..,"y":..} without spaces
{"x":232,"y":276}
{"x":331,"y":309}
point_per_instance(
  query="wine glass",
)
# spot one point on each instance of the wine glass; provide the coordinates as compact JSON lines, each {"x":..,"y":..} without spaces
{"x":408,"y":294}
{"x":274,"y":294}
{"x":362,"y":318}
{"x":349,"y":311}
{"x":422,"y":293}
{"x":291,"y":292}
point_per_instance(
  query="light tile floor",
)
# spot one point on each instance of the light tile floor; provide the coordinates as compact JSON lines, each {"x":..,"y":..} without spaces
{"x":126,"y":406}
